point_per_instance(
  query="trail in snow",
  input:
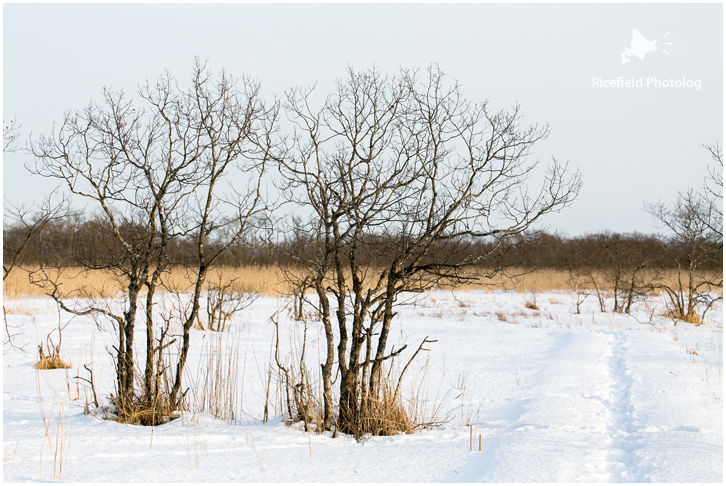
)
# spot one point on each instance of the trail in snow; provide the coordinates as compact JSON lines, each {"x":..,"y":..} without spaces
{"x":624,"y":432}
{"x":557,"y":411}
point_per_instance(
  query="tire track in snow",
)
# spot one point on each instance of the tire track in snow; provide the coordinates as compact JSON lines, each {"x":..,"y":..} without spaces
{"x":624,"y":432}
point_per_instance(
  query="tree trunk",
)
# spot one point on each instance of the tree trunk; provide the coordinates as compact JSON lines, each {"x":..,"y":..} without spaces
{"x":327,"y":367}
{"x":149,"y":391}
{"x":126,"y":352}
{"x":176,"y":396}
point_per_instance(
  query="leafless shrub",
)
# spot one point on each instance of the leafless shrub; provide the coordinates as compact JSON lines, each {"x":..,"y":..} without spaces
{"x":615,"y":267}
{"x":21,"y":225}
{"x":91,"y":384}
{"x":224,"y":299}
{"x":387,"y":411}
{"x":24,"y":226}
{"x":296,"y":270}
{"x":300,"y":396}
{"x":153,"y":406}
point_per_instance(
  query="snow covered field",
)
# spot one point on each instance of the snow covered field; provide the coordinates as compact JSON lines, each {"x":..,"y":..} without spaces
{"x":556,"y":397}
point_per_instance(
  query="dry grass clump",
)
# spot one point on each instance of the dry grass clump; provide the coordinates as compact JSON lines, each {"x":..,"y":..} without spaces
{"x":148,"y":410}
{"x":144,"y":413}
{"x":691,"y":317}
{"x":388,"y":412}
{"x":387,"y":415}
{"x":531,"y":305}
{"x":50,"y":359}
{"x":50,"y":363}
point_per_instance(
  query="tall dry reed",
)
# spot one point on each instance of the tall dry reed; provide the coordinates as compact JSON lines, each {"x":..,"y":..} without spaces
{"x":218,"y":389}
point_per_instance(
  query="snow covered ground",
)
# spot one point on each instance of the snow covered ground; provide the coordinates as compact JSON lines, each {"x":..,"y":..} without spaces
{"x":556,"y":397}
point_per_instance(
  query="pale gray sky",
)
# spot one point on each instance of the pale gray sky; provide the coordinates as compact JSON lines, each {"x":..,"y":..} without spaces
{"x":631,"y":144}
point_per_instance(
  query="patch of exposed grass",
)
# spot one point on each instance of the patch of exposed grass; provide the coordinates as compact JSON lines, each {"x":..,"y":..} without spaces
{"x":50,"y":363}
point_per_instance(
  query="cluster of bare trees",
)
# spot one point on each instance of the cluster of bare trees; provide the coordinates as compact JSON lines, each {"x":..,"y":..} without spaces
{"x":693,"y":246}
{"x":176,"y":163}
{"x":624,"y":267}
{"x":632,"y":267}
{"x":398,"y":172}
{"x":695,"y":224}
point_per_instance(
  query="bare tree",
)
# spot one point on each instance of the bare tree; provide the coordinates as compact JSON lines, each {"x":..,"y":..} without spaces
{"x":400,"y":174}
{"x":27,"y":221}
{"x":230,"y":120}
{"x":695,"y":223}
{"x":629,"y":276}
{"x":713,"y":192}
{"x":154,"y":173}
{"x":115,"y":156}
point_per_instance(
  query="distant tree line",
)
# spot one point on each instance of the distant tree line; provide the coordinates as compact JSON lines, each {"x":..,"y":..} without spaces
{"x":75,"y":239}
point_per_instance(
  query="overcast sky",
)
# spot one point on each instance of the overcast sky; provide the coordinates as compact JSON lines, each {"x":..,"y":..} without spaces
{"x":631,"y":144}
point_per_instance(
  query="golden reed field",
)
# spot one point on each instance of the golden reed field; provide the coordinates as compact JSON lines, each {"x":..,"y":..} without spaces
{"x":271,"y":281}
